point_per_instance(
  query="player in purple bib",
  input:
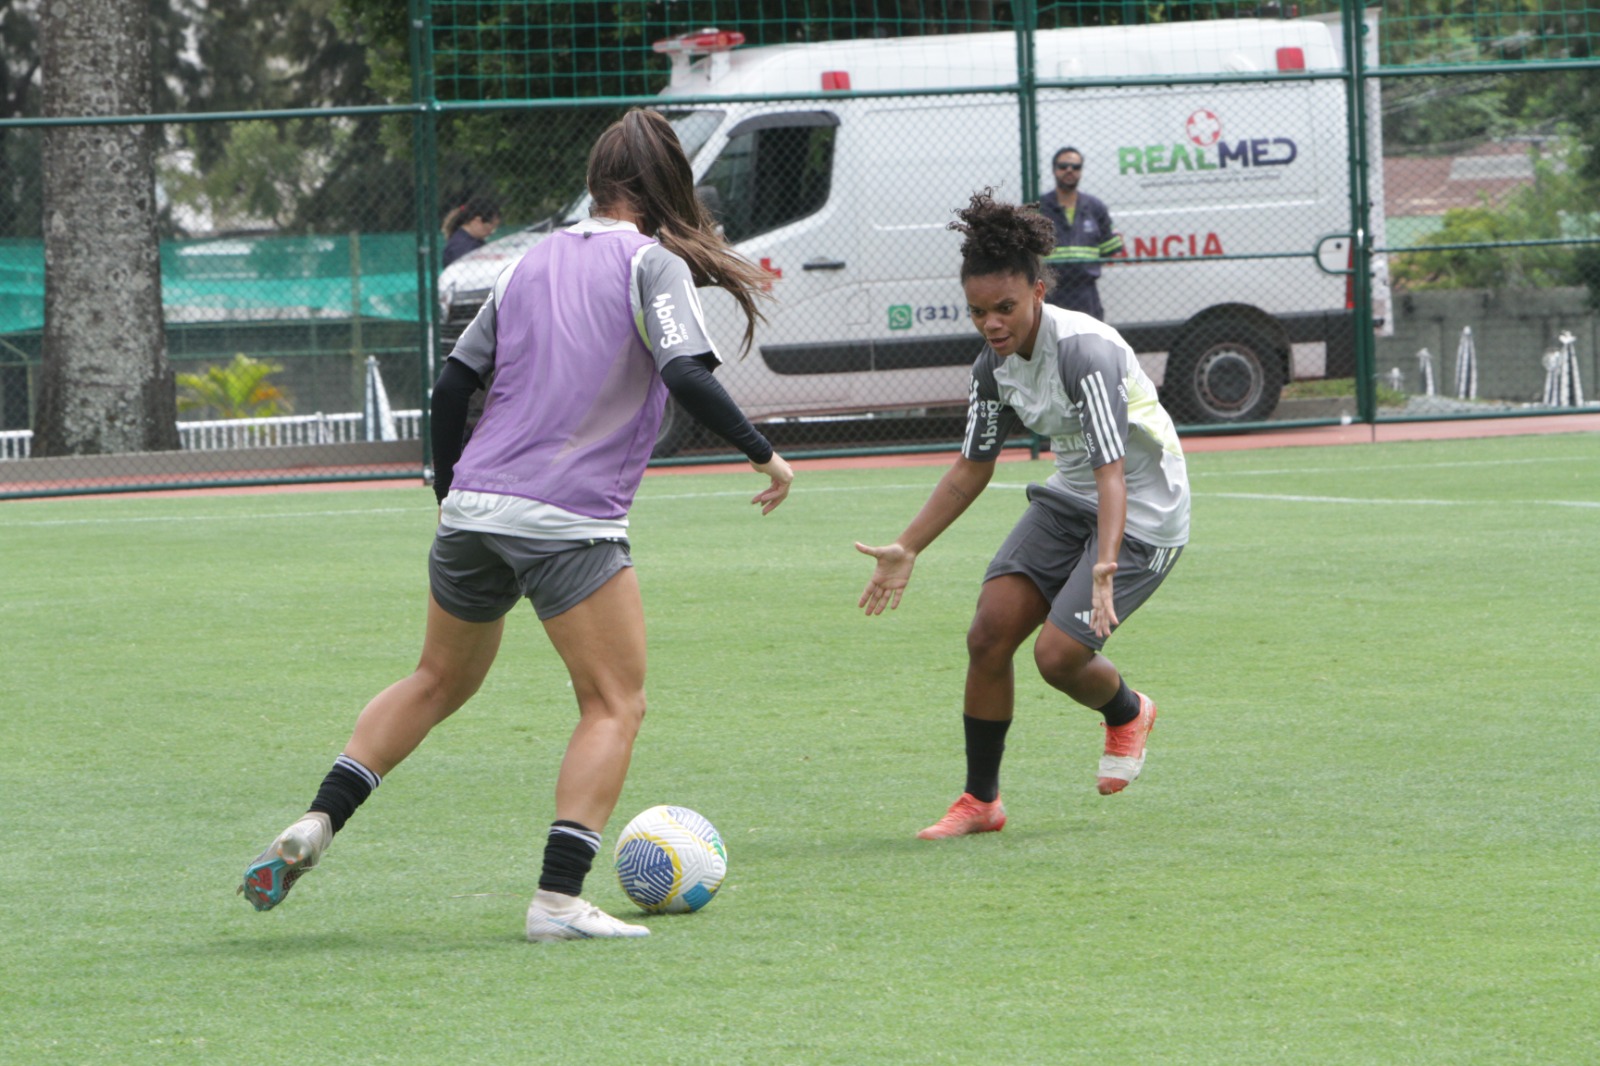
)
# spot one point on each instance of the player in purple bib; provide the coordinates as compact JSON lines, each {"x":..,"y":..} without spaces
{"x":580,"y":345}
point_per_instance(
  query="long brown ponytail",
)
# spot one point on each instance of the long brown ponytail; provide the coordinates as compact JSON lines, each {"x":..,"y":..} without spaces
{"x":638,"y":161}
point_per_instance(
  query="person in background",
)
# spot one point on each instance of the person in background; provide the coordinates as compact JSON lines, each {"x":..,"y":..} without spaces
{"x":1098,"y":537}
{"x":469,"y":226}
{"x":1084,"y":237}
{"x":586,"y":334}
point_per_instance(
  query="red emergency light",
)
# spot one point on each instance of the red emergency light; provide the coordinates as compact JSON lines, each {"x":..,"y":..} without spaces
{"x":1291,"y":59}
{"x":835,"y":81}
{"x":700,"y":42}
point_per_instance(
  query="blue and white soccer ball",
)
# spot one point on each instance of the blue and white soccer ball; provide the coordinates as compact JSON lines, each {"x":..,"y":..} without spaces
{"x":670,"y":860}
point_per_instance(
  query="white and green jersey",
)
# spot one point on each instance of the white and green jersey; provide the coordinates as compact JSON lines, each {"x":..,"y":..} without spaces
{"x":1083,"y":388}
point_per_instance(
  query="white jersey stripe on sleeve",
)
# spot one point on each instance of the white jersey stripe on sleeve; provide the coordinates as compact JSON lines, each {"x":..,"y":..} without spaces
{"x":1105,"y":427}
{"x":972,"y":418}
{"x":692,"y":297}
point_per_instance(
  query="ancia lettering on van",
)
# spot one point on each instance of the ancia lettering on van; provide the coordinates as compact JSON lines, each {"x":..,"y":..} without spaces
{"x":1174,"y":245}
{"x":671,"y":332}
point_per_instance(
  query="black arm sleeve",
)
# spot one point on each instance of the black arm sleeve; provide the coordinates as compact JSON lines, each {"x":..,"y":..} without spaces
{"x":689,"y":380}
{"x":451,"y":394}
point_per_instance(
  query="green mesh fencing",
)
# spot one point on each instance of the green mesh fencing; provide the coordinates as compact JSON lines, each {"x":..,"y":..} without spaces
{"x":293,"y":333}
{"x":1420,"y":33}
{"x":247,"y":278}
{"x":547,"y":50}
{"x":1289,"y":243}
{"x":542,"y":50}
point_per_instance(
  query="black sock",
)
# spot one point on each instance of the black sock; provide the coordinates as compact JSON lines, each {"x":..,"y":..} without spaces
{"x":568,"y":854}
{"x":986,"y":743}
{"x":1123,"y":708}
{"x":346,"y":787}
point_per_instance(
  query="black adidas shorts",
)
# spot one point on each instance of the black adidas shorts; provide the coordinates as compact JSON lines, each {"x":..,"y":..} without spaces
{"x":1053,"y":544}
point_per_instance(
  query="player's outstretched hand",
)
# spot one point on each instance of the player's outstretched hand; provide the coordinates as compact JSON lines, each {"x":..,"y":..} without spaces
{"x":889,"y":577}
{"x":1103,"y":613}
{"x":777,"y":468}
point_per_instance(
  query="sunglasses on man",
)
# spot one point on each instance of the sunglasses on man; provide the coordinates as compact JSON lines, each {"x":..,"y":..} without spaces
{"x":1069,"y":166}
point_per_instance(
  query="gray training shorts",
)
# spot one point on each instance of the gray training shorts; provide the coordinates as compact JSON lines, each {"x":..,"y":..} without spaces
{"x":1053,"y":545}
{"x":478,"y":577}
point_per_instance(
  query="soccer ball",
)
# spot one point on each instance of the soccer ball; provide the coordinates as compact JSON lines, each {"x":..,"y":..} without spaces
{"x":670,"y":860}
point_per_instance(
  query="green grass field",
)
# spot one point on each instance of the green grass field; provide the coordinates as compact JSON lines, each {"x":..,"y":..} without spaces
{"x":1367,"y":831}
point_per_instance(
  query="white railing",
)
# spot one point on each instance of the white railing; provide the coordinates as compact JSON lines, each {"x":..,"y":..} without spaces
{"x":228,"y":434}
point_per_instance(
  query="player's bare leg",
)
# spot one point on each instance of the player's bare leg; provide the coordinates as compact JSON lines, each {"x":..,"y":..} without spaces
{"x":1009,"y":609}
{"x":1091,"y":679}
{"x":456,"y":656}
{"x":602,"y":643}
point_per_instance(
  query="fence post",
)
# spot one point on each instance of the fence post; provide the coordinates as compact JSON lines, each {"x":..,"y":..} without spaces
{"x":1355,"y":38}
{"x":424,"y":136}
{"x":1026,"y":25}
{"x":358,"y":367}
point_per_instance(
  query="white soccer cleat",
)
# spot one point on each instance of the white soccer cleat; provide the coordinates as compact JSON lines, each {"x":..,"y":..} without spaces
{"x":297,"y":849}
{"x":553,"y":916}
{"x":1124,"y":751}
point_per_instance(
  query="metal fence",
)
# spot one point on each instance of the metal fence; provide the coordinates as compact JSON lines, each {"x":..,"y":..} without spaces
{"x":1315,"y":214}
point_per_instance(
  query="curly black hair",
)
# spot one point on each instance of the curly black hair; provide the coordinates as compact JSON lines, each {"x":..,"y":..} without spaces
{"x":1003,"y":238}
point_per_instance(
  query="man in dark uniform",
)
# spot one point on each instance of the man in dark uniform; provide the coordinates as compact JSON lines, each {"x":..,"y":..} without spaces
{"x":1083,"y":237}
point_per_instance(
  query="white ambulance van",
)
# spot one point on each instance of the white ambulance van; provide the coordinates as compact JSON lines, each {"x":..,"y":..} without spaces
{"x":845,"y":201}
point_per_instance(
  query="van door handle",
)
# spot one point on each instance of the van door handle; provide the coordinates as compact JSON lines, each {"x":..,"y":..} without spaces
{"x":823,"y":264}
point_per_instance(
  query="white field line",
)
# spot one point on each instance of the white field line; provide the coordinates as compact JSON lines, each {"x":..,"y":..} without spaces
{"x":253,"y":517}
{"x":1390,"y":467}
{"x":1416,"y":502}
{"x":646,"y":496}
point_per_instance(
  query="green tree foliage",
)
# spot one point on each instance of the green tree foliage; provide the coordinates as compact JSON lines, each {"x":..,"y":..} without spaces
{"x":309,"y":175}
{"x":1436,"y":114}
{"x":1448,"y":32}
{"x":1555,"y":112}
{"x":1558,"y":205}
{"x":239,"y":390}
{"x":532,"y":158}
{"x":20,"y":192}
{"x":315,"y":174}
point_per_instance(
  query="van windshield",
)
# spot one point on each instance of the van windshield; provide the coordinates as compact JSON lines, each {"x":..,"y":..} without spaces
{"x":775,"y":169}
{"x":693,"y":128}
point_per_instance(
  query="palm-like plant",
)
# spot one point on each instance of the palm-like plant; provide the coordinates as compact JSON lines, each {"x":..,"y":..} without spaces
{"x":238,"y":390}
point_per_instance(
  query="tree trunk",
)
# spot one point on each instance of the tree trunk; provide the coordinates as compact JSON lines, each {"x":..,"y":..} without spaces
{"x":105,"y":383}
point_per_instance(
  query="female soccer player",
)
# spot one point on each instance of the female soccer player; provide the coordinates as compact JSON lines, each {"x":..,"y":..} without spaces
{"x":585,"y":335}
{"x":468,"y":227}
{"x":1097,"y":538}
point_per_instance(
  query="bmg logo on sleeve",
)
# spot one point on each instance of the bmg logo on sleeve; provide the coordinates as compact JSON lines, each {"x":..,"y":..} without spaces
{"x":671,"y":332}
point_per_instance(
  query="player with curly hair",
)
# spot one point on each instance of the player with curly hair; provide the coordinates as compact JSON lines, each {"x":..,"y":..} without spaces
{"x":1099,"y":535}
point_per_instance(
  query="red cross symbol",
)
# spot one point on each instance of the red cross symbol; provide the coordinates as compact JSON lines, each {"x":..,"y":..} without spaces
{"x":776,"y":272}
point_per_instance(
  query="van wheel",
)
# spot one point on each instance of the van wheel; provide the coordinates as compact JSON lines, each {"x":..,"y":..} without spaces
{"x":1227,"y":371}
{"x":676,"y":429}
